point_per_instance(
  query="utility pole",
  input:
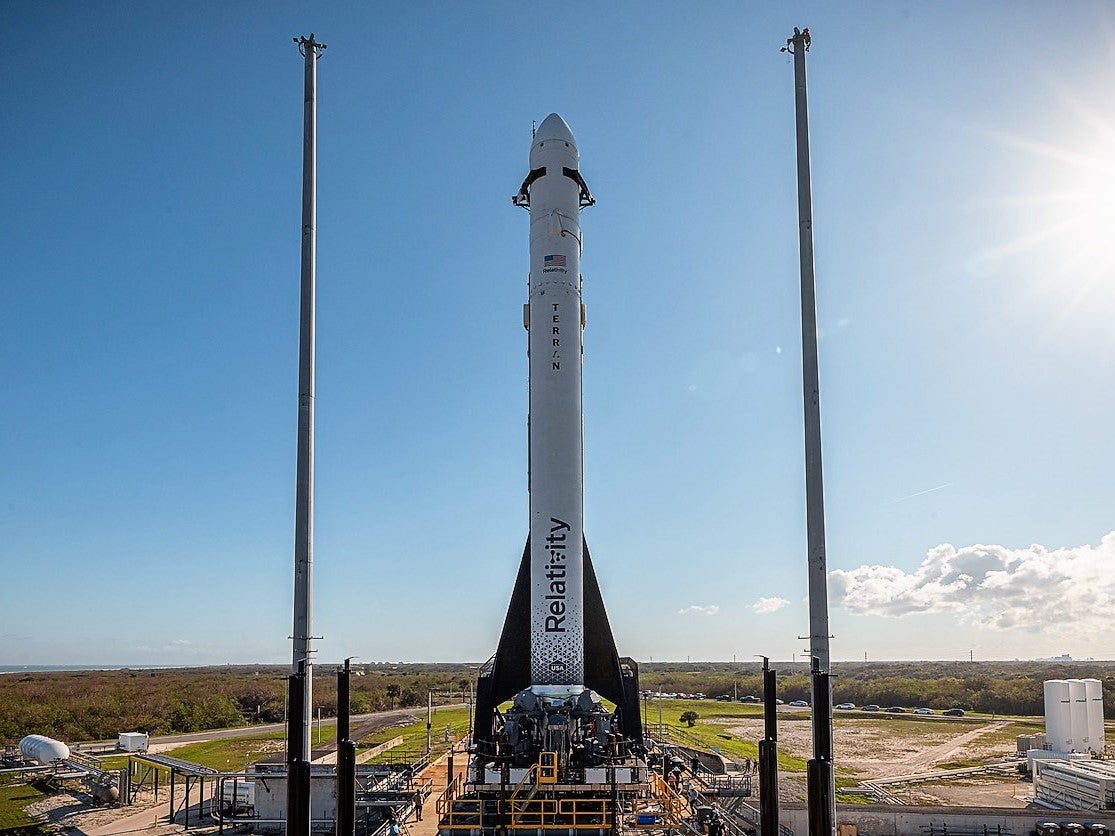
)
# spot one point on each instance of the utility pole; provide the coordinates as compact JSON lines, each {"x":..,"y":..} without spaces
{"x":821,"y":780}
{"x":299,"y":728}
{"x":346,"y":756}
{"x":768,"y":755}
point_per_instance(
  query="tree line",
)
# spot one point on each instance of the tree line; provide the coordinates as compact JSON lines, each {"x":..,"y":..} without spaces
{"x":991,"y":687}
{"x":97,"y":705}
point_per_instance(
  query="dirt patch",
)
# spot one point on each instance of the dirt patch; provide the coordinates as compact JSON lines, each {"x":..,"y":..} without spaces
{"x":970,"y":793}
{"x":71,"y":812}
{"x":877,"y":748}
{"x":885,"y":747}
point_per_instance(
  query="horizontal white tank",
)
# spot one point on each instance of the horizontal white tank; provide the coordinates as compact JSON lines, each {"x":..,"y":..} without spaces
{"x":43,"y":750}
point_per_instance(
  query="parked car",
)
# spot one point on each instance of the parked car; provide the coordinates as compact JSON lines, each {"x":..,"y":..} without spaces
{"x":750,"y":698}
{"x":846,"y":706}
{"x":953,"y":712}
{"x":896,"y":709}
{"x":724,"y":698}
{"x":799,"y":704}
{"x":870,"y":708}
{"x":924,"y":711}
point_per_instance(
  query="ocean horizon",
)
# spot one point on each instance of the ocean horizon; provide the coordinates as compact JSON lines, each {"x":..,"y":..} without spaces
{"x":46,"y":668}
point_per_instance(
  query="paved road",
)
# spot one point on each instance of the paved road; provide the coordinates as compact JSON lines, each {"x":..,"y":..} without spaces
{"x":167,"y":741}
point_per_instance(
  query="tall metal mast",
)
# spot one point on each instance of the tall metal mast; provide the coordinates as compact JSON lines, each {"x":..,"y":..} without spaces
{"x":298,"y":735}
{"x":821,"y":787}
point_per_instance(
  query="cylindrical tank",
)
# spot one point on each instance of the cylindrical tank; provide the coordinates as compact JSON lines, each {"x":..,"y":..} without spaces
{"x":1093,"y":688}
{"x":43,"y":750}
{"x":1058,"y":733}
{"x":104,"y":793}
{"x":1078,"y":721}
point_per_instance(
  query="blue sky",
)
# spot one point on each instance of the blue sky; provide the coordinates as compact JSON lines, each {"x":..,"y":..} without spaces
{"x":964,"y":196}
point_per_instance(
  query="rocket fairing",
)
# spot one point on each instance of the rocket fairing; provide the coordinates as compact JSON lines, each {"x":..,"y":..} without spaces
{"x":554,"y":191}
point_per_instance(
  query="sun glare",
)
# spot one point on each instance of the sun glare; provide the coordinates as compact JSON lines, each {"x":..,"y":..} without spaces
{"x":1061,"y":210}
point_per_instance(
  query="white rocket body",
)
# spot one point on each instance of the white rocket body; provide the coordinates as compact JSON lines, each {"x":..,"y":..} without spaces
{"x":555,"y":320}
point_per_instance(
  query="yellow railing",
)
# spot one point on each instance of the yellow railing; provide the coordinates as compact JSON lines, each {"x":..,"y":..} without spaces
{"x":671,"y":801}
{"x":547,"y":767}
{"x":527,"y":811}
{"x":570,"y":813}
{"x":445,"y":800}
{"x":456,"y":813}
{"x":573,"y":813}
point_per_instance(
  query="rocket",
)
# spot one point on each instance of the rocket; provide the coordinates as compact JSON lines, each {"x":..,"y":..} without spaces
{"x":556,"y":639}
{"x":555,"y":192}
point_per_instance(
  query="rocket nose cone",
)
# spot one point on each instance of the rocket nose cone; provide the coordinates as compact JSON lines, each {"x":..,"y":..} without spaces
{"x":553,"y":127}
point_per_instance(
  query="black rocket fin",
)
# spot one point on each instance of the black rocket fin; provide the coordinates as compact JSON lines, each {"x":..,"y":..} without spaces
{"x":606,"y":673}
{"x":508,"y":672}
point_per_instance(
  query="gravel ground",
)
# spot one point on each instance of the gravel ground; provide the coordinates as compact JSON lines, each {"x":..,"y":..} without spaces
{"x":871,"y":748}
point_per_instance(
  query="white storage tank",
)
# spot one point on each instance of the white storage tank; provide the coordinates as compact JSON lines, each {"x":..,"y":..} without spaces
{"x":1058,"y":731}
{"x":43,"y":750}
{"x":1093,"y":688}
{"x":1079,"y":715}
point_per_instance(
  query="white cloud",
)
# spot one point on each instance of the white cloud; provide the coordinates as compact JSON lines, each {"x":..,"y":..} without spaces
{"x":180,"y":643}
{"x":697,"y":609}
{"x":768,"y":605}
{"x":994,"y":587}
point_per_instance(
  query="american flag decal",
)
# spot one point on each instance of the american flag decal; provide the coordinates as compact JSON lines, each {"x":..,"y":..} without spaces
{"x":554,"y":261}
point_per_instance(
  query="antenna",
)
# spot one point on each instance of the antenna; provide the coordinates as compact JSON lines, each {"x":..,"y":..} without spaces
{"x":309,"y":44}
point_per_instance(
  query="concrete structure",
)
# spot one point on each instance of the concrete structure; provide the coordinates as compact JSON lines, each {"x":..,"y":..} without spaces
{"x":888,"y":820}
{"x":271,"y":793}
{"x":1026,"y":742}
{"x":378,"y":788}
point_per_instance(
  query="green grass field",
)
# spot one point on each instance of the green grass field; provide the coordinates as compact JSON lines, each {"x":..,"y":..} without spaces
{"x":231,"y":755}
{"x":235,"y":754}
{"x":414,"y":734}
{"x":711,"y":734}
{"x":13,"y":820}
